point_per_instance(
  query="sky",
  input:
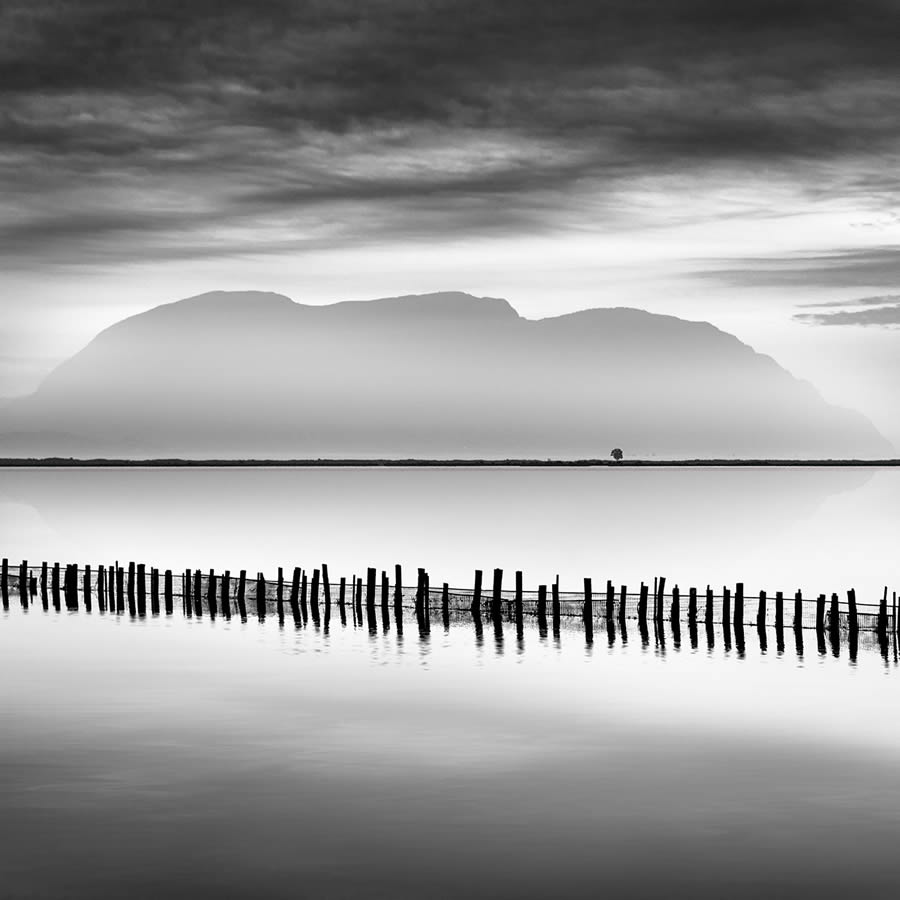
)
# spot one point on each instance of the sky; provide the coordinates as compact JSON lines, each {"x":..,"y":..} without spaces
{"x":732,"y":162}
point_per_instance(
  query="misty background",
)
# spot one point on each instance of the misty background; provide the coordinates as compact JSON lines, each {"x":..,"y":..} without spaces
{"x":734,"y":163}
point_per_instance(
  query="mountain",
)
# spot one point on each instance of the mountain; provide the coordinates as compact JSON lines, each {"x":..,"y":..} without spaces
{"x":439,"y":375}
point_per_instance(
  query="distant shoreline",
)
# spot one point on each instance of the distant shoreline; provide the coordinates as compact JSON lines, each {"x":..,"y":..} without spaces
{"x":163,"y":463}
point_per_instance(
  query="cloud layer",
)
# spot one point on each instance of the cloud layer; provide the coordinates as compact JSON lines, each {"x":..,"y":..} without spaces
{"x":132,"y":129}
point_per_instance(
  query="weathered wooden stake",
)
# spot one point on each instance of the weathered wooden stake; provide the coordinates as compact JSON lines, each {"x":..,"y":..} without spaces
{"x":23,"y":583}
{"x":761,"y":610}
{"x":4,"y":582}
{"x":87,"y":588}
{"x":779,"y":610}
{"x":131,"y":586}
{"x":111,"y":580}
{"x":314,"y":598}
{"x":820,"y":612}
{"x":542,"y":603}
{"x":342,"y":600}
{"x":295,"y":597}
{"x":853,"y":617}
{"x":445,"y":605}
{"x":675,"y":610}
{"x":798,"y":610}
{"x":260,"y":596}
{"x":326,"y":590}
{"x":101,"y":586}
{"x":726,"y":606}
{"x":212,"y":595}
{"x":398,"y":586}
{"x":226,"y":594}
{"x":882,"y":615}
{"x":708,"y":615}
{"x":642,"y":603}
{"x":385,"y":592}
{"x":587,"y":608}
{"x":168,"y":592}
{"x":72,"y":587}
{"x":141,"y":589}
{"x":54,"y":586}
{"x":304,"y":609}
{"x":279,"y":595}
{"x":242,"y":605}
{"x":154,"y":591}
{"x":739,"y":603}
{"x":186,"y":599}
{"x":497,"y":595}
{"x":359,"y":617}
{"x":692,"y":608}
{"x":834,"y":619}
{"x":662,"y":598}
{"x":198,"y":593}
{"x":476,"y":593}
{"x":610,"y":600}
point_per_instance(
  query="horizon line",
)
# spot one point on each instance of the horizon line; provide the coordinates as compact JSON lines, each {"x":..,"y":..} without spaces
{"x":413,"y":462}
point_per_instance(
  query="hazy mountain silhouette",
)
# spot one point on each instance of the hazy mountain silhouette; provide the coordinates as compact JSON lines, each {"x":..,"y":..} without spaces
{"x":439,"y":375}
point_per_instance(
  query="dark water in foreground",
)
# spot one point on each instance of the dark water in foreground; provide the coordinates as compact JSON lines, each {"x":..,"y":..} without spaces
{"x":183,"y":758}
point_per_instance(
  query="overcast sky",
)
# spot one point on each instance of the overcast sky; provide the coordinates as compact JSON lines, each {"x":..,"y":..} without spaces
{"x":736,"y":162}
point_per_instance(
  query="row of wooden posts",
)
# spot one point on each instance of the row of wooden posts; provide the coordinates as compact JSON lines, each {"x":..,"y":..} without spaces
{"x":117,"y":585}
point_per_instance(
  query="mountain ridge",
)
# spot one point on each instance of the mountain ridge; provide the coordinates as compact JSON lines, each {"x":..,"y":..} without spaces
{"x":443,"y":374}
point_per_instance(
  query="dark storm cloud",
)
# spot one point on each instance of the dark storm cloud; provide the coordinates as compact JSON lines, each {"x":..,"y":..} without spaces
{"x":263,"y":113}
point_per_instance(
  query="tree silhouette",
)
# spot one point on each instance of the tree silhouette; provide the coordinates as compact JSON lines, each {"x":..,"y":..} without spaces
{"x":617,"y":455}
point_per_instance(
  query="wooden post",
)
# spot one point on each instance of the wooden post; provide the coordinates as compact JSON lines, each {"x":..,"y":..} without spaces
{"x":359,"y":600}
{"x":851,"y":602}
{"x":761,"y":610}
{"x":279,"y":594}
{"x":242,"y":606}
{"x":428,"y":600}
{"x":726,"y":606}
{"x":834,"y":616}
{"x":445,"y":605}
{"x":45,"y":583}
{"x":398,"y":586}
{"x":820,"y":613}
{"x":476,"y":593}
{"x":295,"y":597}
{"x":198,"y":593}
{"x":555,"y":599}
{"x":342,"y":600}
{"x":882,"y":615}
{"x":168,"y":592}
{"x":4,"y":582}
{"x":708,"y":614}
{"x":623,"y":604}
{"x":87,"y":588}
{"x":101,"y":586}
{"x":72,"y":587}
{"x":326,"y":590}
{"x":798,"y":610}
{"x":692,"y":605}
{"x":226,"y":594}
{"x":518,"y":600}
{"x":385,"y":592}
{"x":314,"y":597}
{"x":370,"y":588}
{"x":260,"y":596}
{"x":420,"y":592}
{"x":642,"y":604}
{"x":304,"y":609}
{"x":739,"y":603}
{"x":131,"y":586}
{"x":497,"y":595}
{"x":675,"y":611}
{"x":141,"y":589}
{"x":54,"y":586}
{"x":610,"y":600}
{"x":187,"y":599}
{"x":587,"y":609}
{"x":212,"y":601}
{"x":779,"y":610}
{"x":23,"y":583}
{"x":542,"y":602}
{"x":154,"y":591}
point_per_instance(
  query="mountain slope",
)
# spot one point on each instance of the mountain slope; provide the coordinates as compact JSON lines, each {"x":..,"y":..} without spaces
{"x":250,"y":373}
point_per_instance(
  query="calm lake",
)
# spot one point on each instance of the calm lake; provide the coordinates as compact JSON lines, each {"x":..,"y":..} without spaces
{"x":188,"y":757}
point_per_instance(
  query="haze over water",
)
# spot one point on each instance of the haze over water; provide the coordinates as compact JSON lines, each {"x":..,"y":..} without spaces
{"x":820,"y":530}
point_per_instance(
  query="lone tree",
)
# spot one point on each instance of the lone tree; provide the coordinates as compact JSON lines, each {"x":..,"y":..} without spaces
{"x":617,"y":455}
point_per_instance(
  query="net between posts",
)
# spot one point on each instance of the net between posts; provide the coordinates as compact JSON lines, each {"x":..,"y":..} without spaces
{"x":873,"y":614}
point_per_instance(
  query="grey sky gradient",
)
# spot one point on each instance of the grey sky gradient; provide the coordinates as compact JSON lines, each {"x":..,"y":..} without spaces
{"x":717,"y":161}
